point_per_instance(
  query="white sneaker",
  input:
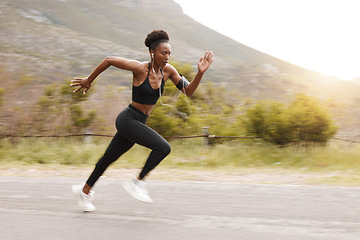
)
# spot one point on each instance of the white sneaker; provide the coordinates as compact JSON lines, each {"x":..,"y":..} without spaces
{"x":83,"y":199}
{"x":137,"y":189}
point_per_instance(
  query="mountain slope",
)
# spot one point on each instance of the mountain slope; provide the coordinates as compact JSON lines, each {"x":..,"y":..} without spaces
{"x":53,"y":40}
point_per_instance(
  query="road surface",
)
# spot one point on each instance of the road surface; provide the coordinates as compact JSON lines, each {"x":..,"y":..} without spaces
{"x":44,"y":208}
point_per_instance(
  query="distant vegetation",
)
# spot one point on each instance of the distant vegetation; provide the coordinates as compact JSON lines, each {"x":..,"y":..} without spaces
{"x":303,"y":120}
{"x":60,"y":111}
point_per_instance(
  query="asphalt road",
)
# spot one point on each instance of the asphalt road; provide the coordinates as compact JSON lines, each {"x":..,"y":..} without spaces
{"x":44,"y":208}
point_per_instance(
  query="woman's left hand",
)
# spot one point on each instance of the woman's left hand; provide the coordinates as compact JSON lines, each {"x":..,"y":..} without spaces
{"x":205,"y":61}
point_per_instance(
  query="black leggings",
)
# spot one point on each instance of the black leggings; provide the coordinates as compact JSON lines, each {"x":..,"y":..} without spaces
{"x":131,"y":127}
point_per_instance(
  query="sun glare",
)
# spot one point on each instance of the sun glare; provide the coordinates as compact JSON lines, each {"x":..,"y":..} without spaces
{"x":319,"y":35}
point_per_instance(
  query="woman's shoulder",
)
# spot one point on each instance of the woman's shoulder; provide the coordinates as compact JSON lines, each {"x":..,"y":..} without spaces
{"x":143,"y":64}
{"x":142,"y":67}
{"x":169,"y":68}
{"x":170,"y":71}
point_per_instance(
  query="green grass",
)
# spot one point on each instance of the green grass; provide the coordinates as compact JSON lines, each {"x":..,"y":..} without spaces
{"x":186,"y":154}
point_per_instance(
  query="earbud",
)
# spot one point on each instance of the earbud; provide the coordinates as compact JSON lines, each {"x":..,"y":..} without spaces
{"x":152,"y":55}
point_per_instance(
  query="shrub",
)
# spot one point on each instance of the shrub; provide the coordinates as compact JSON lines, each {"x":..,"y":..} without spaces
{"x":2,"y":90}
{"x":304,"y":120}
{"x":312,"y":122}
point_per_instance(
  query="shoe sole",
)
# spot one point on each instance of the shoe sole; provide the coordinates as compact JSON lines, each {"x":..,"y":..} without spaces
{"x":77,"y":195}
{"x":128,"y":188}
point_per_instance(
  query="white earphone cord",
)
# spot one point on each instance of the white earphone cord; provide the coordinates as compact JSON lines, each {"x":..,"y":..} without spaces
{"x":182,"y":114}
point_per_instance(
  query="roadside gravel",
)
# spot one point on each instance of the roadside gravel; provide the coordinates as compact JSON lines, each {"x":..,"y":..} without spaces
{"x":238,"y":175}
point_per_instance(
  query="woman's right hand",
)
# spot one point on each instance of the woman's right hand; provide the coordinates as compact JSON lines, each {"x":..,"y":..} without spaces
{"x":82,"y":82}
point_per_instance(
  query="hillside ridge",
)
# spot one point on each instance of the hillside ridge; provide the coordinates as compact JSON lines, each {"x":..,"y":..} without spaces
{"x":53,"y":40}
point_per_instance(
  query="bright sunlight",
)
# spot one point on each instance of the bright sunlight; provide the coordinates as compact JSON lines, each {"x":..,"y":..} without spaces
{"x":318,"y":35}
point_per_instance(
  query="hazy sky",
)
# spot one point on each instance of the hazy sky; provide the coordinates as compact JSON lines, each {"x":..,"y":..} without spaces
{"x":320,"y":35}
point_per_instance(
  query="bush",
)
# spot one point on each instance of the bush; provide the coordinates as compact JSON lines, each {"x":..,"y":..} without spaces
{"x":2,"y":90}
{"x":311,"y":121}
{"x":270,"y":121}
{"x":59,"y":109}
{"x":78,"y":118}
{"x":304,"y":120}
{"x":164,"y":122}
{"x":183,"y":116}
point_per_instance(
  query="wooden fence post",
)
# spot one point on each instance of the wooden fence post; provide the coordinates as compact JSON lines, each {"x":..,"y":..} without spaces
{"x":206,"y":135}
{"x":87,"y":136}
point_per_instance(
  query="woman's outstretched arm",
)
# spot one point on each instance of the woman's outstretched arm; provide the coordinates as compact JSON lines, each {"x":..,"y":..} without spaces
{"x":122,"y":63}
{"x":190,"y":88}
{"x":203,"y":65}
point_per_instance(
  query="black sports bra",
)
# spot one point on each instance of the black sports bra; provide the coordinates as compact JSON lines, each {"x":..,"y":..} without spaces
{"x":145,"y":94}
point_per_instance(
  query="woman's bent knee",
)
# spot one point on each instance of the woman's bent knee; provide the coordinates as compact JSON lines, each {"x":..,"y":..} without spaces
{"x":166,"y":149}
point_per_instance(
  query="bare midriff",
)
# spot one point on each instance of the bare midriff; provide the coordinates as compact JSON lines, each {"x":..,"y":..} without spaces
{"x":144,"y":108}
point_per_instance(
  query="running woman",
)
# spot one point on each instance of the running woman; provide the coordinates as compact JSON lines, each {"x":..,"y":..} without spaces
{"x":148,"y":84}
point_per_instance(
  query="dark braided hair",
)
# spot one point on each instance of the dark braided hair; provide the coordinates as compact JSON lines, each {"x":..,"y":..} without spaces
{"x":156,"y":37}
